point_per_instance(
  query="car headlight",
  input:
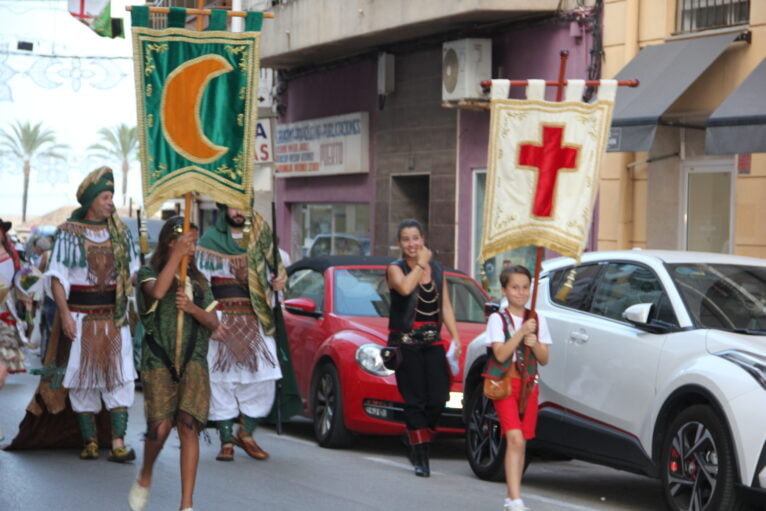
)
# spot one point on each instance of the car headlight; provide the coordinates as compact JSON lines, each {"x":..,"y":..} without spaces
{"x":753,"y":364}
{"x":368,"y":357}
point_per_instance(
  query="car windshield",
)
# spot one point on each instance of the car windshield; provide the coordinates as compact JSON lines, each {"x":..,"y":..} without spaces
{"x":723,"y":296}
{"x":364,"y":292}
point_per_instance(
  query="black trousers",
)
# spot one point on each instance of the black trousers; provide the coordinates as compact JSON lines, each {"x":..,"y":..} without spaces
{"x":423,"y":381}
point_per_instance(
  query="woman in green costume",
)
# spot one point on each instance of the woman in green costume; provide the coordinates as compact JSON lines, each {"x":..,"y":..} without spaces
{"x":176,"y":393}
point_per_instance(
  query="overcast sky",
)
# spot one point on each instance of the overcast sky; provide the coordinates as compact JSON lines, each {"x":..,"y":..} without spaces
{"x":75,"y":82}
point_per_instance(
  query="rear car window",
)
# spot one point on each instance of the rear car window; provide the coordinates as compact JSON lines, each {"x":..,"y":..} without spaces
{"x":582,"y":288}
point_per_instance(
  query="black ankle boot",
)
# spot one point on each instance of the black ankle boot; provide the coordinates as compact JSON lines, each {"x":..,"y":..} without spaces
{"x":420,"y":460}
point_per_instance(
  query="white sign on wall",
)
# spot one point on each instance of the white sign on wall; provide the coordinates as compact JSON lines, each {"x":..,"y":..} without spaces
{"x":326,"y":146}
{"x":263,"y":141}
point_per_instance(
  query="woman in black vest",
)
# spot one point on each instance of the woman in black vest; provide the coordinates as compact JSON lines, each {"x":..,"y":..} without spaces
{"x":420,"y":304}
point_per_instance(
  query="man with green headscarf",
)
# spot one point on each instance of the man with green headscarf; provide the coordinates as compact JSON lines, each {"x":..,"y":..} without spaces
{"x":90,"y":268}
{"x":244,"y":270}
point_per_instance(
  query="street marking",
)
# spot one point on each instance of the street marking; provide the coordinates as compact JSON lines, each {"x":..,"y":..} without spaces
{"x":293,"y":439}
{"x":558,"y":503}
{"x":397,"y":464}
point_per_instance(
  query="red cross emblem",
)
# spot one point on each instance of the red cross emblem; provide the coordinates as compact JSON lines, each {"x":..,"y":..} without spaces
{"x":81,"y":15}
{"x":548,"y":159}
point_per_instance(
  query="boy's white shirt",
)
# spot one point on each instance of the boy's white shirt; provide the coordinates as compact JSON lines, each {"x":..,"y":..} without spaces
{"x":495,"y":329}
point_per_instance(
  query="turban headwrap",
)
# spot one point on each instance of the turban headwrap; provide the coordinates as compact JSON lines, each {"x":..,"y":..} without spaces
{"x":100,"y":180}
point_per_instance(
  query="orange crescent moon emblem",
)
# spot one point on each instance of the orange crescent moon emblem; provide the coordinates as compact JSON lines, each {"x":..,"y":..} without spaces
{"x":181,"y":99}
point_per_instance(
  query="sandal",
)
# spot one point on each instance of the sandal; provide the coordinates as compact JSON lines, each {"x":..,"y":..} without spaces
{"x":250,"y":447}
{"x":122,"y":454}
{"x":226,"y":453}
{"x":89,"y":452}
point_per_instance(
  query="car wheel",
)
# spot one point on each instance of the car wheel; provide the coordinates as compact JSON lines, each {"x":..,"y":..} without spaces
{"x":484,"y":440}
{"x":697,"y":463}
{"x":329,"y":428}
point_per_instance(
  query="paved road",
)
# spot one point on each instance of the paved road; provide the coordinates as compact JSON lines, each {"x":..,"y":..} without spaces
{"x":373,"y":475}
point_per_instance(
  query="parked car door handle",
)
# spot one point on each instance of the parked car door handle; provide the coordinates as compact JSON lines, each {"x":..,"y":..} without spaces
{"x":579,"y":336}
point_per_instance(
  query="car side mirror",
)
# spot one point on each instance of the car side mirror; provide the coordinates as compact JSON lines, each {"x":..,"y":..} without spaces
{"x":490,"y":307}
{"x":639,"y":313}
{"x":641,"y":316}
{"x":302,"y":307}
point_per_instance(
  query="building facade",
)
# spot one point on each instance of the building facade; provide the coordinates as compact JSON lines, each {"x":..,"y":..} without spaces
{"x":371,"y":77}
{"x":689,"y":169}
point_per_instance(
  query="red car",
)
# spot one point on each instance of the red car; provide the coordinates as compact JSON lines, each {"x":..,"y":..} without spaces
{"x":336,"y":312}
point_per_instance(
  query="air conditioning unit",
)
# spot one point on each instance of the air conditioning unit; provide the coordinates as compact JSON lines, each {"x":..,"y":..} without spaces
{"x":465,"y":63}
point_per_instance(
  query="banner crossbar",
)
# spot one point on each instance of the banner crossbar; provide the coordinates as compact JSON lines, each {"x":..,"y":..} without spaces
{"x":203,"y":12}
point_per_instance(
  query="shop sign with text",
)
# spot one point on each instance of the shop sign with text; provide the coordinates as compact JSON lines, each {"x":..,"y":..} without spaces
{"x":263,"y":140}
{"x":326,"y":146}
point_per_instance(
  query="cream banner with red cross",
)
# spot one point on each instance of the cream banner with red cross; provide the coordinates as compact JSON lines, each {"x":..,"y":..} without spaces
{"x":543,"y":167}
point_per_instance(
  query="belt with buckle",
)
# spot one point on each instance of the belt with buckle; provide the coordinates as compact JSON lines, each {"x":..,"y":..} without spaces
{"x":426,"y":337}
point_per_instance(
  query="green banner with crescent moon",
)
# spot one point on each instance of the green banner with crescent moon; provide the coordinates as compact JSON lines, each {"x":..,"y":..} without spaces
{"x":197,"y":107}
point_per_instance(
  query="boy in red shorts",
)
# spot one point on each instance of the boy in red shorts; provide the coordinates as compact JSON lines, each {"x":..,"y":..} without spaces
{"x":510,"y":332}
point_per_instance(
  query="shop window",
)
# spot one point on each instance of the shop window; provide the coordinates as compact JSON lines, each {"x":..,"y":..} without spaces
{"x":488,"y":272}
{"x":695,"y":15}
{"x":330,"y":229}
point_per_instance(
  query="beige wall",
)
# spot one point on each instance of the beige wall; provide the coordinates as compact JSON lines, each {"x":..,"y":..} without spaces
{"x":640,"y":203}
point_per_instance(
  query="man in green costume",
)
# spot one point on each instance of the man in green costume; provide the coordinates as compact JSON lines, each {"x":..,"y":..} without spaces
{"x":248,"y":359}
{"x":91,"y":264}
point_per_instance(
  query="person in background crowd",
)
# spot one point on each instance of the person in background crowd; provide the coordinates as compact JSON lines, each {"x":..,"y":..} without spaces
{"x":246,"y":361}
{"x":420,"y":305}
{"x":3,"y":376}
{"x":174,"y":396}
{"x":11,"y":332}
{"x":44,"y":307}
{"x":286,"y":261}
{"x":510,"y":332}
{"x":285,"y":257}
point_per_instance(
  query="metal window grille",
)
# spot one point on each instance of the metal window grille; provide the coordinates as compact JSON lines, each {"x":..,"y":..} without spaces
{"x":695,"y":15}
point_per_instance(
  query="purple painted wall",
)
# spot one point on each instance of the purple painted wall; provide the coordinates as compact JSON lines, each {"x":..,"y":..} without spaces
{"x":338,"y":91}
{"x":519,"y":55}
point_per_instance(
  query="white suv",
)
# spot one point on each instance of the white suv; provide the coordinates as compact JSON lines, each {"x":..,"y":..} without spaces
{"x":658,"y":366}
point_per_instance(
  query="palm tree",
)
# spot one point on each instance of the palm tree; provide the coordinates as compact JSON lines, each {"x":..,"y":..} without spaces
{"x":26,"y":141}
{"x":118,"y":143}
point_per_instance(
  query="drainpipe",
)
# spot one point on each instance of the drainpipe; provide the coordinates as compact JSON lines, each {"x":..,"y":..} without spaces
{"x":625,"y":231}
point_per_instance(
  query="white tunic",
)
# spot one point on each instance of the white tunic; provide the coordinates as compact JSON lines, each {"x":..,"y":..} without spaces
{"x":78,"y":276}
{"x":238,"y":373}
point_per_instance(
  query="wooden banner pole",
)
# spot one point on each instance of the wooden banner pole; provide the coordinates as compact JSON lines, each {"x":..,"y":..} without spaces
{"x":200,"y":5}
{"x":182,"y":283}
{"x":564,"y":54}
